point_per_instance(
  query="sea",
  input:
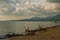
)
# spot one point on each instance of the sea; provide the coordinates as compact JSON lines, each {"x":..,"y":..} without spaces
{"x":20,"y":26}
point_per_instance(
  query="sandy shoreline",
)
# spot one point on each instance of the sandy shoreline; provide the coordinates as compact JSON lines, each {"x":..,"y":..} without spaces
{"x":50,"y":34}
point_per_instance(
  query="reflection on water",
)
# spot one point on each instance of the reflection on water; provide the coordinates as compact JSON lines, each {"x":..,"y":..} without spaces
{"x":18,"y":26}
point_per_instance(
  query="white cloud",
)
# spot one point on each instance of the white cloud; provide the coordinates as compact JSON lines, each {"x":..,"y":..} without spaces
{"x":49,"y":6}
{"x":27,"y":9}
{"x":18,"y":4}
{"x":4,"y":8}
{"x":27,"y":2}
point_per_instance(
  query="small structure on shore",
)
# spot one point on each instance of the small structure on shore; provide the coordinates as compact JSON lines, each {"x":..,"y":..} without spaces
{"x":29,"y":32}
{"x":55,"y":22}
{"x":40,"y":28}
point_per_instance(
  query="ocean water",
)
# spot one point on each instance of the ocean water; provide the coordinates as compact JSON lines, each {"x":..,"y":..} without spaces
{"x":19,"y":26}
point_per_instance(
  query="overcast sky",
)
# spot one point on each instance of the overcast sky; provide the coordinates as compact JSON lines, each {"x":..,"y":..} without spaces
{"x":22,"y":9}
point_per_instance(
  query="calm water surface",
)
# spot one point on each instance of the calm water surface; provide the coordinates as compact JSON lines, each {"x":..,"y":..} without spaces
{"x":18,"y":26}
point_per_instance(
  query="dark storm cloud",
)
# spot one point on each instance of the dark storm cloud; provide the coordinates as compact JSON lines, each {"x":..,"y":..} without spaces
{"x":54,"y":1}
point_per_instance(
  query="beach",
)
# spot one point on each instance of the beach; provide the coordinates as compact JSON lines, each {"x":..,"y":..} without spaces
{"x":52,"y":33}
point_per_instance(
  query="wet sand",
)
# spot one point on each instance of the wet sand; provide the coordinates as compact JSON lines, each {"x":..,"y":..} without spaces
{"x":50,"y":34}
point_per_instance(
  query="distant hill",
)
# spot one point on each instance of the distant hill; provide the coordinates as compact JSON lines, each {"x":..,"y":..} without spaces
{"x":57,"y":17}
{"x":54,"y":18}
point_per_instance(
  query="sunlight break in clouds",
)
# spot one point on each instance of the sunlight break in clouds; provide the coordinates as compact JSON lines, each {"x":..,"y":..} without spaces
{"x":3,"y":17}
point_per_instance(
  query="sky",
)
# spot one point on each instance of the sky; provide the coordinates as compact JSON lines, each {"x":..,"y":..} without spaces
{"x":25,"y":9}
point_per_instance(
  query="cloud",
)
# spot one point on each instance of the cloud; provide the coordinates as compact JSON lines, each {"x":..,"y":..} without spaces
{"x":48,"y":6}
{"x":21,"y":9}
{"x":54,"y":1}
